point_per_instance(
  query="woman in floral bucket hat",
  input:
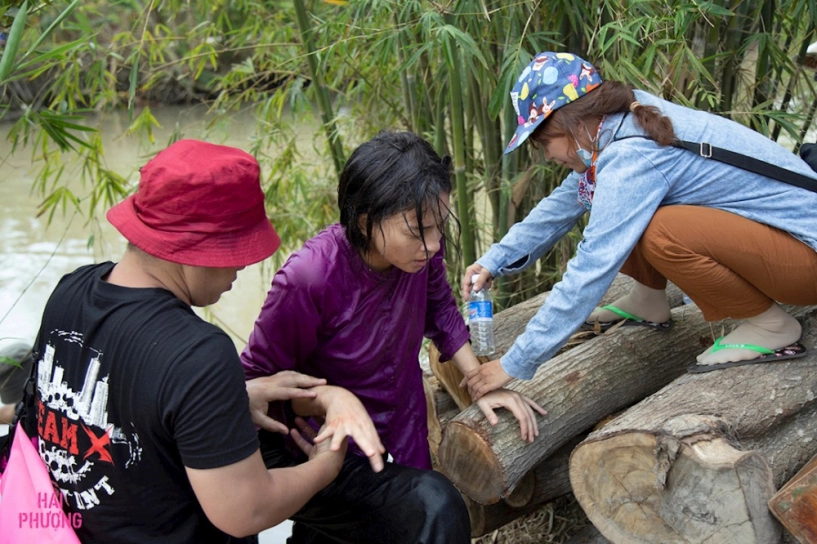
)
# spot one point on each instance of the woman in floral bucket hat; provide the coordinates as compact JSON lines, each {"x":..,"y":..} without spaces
{"x":736,"y":242}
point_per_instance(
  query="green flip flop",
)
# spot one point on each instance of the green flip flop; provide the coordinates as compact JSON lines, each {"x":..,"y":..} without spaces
{"x":628,"y":319}
{"x":794,"y":351}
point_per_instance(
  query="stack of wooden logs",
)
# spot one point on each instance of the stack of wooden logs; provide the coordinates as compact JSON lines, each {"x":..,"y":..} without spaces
{"x":688,"y":458}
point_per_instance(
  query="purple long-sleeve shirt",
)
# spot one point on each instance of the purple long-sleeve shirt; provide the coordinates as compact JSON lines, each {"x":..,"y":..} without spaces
{"x":328,"y":315}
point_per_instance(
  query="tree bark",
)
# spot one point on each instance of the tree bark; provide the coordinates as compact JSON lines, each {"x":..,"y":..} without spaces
{"x":698,"y":461}
{"x":441,"y":409}
{"x":511,"y":322}
{"x":549,"y":480}
{"x":578,"y":388}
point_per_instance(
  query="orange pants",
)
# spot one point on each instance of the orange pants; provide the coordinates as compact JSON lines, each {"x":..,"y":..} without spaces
{"x":728,"y":265}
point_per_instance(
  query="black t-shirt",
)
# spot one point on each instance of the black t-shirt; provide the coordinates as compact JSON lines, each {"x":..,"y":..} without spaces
{"x":133,"y":388}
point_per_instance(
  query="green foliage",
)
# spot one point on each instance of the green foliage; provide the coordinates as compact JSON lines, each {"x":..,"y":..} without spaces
{"x":9,"y":361}
{"x":13,"y":41}
{"x":443,"y":70}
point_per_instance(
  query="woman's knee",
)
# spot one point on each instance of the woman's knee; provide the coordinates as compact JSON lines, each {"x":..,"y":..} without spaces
{"x":446,"y":515}
{"x":438,"y":492}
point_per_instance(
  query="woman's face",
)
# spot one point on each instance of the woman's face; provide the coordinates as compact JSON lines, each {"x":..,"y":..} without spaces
{"x":562,"y":150}
{"x":396,"y":240}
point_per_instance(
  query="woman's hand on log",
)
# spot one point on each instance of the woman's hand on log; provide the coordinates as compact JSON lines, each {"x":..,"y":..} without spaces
{"x":520,"y":406}
{"x":346,"y":416}
{"x":284,"y":385}
{"x":488,"y":377}
{"x":485,"y":278}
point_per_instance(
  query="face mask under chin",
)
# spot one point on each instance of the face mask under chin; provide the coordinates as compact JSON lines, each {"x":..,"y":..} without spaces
{"x":584,"y":155}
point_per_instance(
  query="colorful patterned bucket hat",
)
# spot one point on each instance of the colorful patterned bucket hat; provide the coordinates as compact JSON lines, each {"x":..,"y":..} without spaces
{"x":549,"y":82}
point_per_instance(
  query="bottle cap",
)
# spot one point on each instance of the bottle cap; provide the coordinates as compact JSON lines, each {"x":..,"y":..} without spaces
{"x":474,"y":278}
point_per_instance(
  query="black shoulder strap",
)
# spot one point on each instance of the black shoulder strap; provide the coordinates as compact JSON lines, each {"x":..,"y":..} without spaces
{"x":750,"y":164}
{"x":26,"y":410}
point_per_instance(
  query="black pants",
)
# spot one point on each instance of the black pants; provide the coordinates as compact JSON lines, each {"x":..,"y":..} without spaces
{"x":398,"y":505}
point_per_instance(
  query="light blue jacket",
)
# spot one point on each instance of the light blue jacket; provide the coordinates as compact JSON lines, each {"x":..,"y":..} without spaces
{"x":634,"y":177}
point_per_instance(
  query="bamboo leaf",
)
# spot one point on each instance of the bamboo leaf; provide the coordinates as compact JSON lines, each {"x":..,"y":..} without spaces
{"x":60,"y":18}
{"x":133,"y":81}
{"x":56,"y":54}
{"x":13,"y":41}
{"x":9,"y":361}
{"x":715,"y":9}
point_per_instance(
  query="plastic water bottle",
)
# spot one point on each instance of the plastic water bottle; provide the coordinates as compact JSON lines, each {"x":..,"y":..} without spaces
{"x":481,"y":319}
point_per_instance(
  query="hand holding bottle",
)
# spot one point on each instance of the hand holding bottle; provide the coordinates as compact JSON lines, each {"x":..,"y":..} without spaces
{"x":481,"y":319}
{"x":485,"y":278}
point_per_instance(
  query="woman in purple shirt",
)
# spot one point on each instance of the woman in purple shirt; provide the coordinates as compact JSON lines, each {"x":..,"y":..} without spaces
{"x":352,"y":307}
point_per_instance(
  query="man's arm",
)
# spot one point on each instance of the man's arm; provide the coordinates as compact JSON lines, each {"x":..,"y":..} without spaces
{"x":281,"y":386}
{"x":245,"y":498}
{"x":343,"y":412}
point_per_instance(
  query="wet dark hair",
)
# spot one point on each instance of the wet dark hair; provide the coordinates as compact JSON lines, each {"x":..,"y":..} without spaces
{"x":393,"y":172}
{"x":610,"y":97}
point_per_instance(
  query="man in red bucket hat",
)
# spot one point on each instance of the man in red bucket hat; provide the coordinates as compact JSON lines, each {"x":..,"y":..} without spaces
{"x":143,"y":415}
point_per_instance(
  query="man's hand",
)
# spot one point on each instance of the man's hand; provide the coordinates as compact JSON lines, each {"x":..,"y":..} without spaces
{"x":488,"y":377}
{"x":485,"y":278}
{"x":306,"y":440}
{"x":284,"y":385}
{"x":520,"y":406}
{"x":346,"y":416}
{"x":7,"y":413}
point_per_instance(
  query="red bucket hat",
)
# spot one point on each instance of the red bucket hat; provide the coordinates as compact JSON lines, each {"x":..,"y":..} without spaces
{"x":198,"y":204}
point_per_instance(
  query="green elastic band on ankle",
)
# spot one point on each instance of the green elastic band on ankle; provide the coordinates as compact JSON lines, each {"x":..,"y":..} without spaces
{"x":717,"y":346}
{"x":622,"y":313}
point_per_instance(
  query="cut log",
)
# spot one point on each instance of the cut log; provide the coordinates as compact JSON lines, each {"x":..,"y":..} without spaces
{"x":435,"y":430}
{"x":441,"y":409}
{"x":550,"y":480}
{"x":450,"y":377}
{"x":698,"y":461}
{"x":511,"y":322}
{"x":578,"y":388}
{"x":795,"y":504}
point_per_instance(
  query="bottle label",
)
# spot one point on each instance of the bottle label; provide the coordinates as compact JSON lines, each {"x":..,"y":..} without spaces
{"x":480,"y":309}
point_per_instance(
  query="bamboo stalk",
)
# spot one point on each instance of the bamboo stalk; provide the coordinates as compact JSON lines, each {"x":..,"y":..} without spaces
{"x":812,"y":110}
{"x":734,"y":31}
{"x":763,"y":83}
{"x":324,"y":103}
{"x":458,"y":139}
{"x":713,"y":38}
{"x":407,"y":78}
{"x":508,"y":164}
{"x":440,"y":140}
{"x":801,"y":58}
{"x":428,"y":84}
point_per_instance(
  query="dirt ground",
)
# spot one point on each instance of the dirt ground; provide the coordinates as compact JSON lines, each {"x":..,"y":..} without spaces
{"x":554,"y":523}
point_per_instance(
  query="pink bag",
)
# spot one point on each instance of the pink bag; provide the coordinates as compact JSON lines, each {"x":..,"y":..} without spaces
{"x":30,"y":511}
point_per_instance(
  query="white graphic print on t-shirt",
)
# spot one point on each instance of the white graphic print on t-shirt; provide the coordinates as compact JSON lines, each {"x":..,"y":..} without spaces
{"x":76,"y":438}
